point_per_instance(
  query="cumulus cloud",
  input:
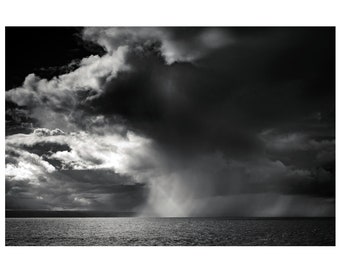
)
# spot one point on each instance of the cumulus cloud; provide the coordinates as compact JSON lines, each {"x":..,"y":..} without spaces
{"x":47,"y":132}
{"x":87,"y":151}
{"x":52,"y":102}
{"x":26,"y":166}
{"x":179,"y":45}
{"x":89,"y":169}
{"x":88,"y":76}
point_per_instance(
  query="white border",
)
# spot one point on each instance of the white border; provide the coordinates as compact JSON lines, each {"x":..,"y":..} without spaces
{"x":166,"y":13}
{"x":169,"y":13}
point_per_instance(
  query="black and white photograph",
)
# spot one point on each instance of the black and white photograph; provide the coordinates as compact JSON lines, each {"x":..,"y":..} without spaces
{"x":170,"y":136}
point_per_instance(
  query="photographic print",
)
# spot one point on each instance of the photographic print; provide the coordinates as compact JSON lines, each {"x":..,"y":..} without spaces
{"x":170,"y":136}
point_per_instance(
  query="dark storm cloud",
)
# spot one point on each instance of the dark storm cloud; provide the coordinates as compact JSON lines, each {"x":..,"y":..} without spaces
{"x":76,"y":189}
{"x":241,"y":120}
{"x":267,"y":78}
{"x":110,"y":191}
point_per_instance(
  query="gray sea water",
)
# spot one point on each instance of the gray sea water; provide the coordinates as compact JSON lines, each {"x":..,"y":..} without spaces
{"x":168,"y":232}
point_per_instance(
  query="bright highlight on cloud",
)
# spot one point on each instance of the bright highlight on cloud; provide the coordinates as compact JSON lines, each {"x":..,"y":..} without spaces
{"x":180,"y":46}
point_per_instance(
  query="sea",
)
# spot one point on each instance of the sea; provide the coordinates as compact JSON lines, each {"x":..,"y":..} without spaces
{"x":139,"y":231}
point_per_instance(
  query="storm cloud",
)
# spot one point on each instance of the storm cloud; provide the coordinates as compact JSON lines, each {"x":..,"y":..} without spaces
{"x":179,"y":122}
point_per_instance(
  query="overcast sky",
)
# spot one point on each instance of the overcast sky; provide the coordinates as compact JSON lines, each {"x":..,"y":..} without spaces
{"x":171,"y":121}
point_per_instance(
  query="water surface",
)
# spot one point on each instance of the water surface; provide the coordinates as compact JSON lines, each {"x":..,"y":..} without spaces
{"x":131,"y":231}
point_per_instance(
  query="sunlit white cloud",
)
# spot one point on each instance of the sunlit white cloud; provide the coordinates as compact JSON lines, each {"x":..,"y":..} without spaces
{"x":28,"y":166}
{"x":173,"y":48}
{"x":108,"y":157}
{"x":52,"y":102}
{"x":90,"y":151}
{"x":59,"y":89}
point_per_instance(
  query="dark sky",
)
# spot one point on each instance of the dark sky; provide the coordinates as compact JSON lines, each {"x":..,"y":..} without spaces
{"x":230,"y":121}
